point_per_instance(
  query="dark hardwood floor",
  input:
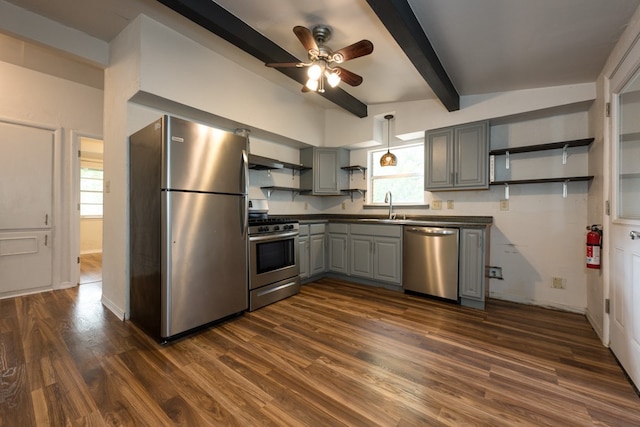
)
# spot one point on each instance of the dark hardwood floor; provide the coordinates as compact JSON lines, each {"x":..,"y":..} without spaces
{"x":336,"y":354}
{"x":90,"y":268}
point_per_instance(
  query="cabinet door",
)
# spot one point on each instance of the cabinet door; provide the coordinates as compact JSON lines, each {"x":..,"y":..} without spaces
{"x":386,"y":259}
{"x":325,"y":170}
{"x":316,"y":254}
{"x":338,"y":253}
{"x":303,"y":254}
{"x":438,"y":155}
{"x":472,"y":280}
{"x":471,"y":154}
{"x":361,"y":257}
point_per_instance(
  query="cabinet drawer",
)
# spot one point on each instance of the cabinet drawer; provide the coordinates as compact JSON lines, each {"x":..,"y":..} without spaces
{"x":303,"y":230}
{"x":316,"y":228}
{"x":377,"y":230}
{"x":338,"y":228}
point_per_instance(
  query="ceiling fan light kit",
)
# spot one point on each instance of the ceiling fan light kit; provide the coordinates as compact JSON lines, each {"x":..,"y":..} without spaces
{"x":323,"y":62}
{"x":388,"y":158}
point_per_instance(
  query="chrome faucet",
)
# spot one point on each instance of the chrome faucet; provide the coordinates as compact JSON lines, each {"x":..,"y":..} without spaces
{"x":388,"y":199}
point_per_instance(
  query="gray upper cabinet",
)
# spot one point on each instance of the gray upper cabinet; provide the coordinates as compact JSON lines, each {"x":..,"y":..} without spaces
{"x":326,"y":177}
{"x":457,"y":158}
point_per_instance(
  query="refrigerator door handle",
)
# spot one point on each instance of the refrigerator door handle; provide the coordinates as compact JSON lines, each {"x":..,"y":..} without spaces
{"x":245,"y":178}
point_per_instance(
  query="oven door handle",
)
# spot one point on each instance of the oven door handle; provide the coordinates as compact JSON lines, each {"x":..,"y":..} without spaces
{"x":277,"y":236}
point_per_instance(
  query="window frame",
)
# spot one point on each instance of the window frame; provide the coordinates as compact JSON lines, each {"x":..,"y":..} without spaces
{"x":371,"y":177}
{"x":91,"y":164}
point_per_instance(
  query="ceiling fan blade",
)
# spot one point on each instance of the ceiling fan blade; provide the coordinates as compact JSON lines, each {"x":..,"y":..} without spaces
{"x":283,"y":64}
{"x":306,"y":37}
{"x":349,"y":77}
{"x":356,"y":50}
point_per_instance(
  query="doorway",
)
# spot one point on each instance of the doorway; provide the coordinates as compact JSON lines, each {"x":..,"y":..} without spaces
{"x":624,"y":221}
{"x":91,"y":176}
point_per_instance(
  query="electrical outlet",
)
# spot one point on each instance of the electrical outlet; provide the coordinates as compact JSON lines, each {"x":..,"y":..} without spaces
{"x":504,"y":205}
{"x":494,"y":272}
{"x":436,"y":205}
{"x":558,"y":283}
{"x":306,"y":206}
{"x":344,"y":205}
{"x":449,"y":204}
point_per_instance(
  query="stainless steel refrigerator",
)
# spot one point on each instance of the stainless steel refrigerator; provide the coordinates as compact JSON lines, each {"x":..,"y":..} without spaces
{"x":188,"y":226}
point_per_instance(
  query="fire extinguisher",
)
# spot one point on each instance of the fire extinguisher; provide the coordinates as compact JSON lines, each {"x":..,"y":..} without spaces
{"x":594,"y":243}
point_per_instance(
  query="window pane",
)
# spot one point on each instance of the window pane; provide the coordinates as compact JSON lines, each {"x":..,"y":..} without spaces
{"x":407,"y":190}
{"x":90,"y":197}
{"x":629,"y":151}
{"x":405,"y":181}
{"x":91,"y":210}
{"x":91,"y":185}
{"x":91,"y":173}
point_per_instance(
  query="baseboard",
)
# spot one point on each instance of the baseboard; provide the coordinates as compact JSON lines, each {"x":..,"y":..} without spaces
{"x":20,"y":293}
{"x":597,"y":328}
{"x":543,"y":304}
{"x":112,"y":307}
{"x":66,"y":285}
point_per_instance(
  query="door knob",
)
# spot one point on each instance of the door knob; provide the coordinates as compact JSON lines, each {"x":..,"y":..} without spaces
{"x":634,"y":235}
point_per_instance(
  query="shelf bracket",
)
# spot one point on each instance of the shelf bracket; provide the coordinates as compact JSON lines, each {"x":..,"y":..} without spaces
{"x":359,"y":191}
{"x":564,"y":154}
{"x":564,"y":188}
{"x":506,"y":191}
{"x":506,"y":160}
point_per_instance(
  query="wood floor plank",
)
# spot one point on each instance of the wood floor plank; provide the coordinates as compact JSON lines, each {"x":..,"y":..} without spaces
{"x":335,"y":354}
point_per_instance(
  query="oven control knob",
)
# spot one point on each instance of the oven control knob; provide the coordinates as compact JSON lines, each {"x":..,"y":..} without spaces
{"x":276,"y":227}
{"x":263,"y":228}
{"x":288,"y":227}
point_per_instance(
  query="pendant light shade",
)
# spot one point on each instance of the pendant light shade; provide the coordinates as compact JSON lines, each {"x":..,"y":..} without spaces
{"x":388,"y":159}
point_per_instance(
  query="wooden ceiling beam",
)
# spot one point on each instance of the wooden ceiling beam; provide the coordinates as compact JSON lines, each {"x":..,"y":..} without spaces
{"x":219,"y":21}
{"x":403,"y":25}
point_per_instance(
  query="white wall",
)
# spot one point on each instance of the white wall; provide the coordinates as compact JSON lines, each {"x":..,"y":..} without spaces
{"x":90,"y":235}
{"x":33,"y":98}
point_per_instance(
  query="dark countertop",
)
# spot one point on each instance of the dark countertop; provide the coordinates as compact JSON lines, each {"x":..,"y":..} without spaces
{"x":419,"y":220}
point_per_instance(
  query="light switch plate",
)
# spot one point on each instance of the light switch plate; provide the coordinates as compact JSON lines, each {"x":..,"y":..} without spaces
{"x":504,"y":205}
{"x":449,"y":204}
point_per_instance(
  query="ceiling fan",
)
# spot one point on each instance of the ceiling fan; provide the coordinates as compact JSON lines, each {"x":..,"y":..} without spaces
{"x":323,"y":62}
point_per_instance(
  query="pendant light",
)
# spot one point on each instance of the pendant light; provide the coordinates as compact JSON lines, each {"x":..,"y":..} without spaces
{"x":388,"y":159}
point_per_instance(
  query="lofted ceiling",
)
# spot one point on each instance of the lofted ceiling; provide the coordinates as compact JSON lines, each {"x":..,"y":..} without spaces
{"x":483,"y":46}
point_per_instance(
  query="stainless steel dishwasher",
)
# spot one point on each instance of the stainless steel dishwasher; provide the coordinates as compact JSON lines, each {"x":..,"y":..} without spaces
{"x":430,"y":261}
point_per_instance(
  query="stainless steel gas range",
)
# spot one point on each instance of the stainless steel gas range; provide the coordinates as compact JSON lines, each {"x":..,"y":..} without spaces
{"x":273,"y":256}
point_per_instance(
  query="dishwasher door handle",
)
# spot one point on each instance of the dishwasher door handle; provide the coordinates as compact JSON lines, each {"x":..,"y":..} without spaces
{"x":431,"y":231}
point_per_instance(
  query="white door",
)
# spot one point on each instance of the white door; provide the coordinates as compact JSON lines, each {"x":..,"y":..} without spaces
{"x":624,"y":223}
{"x":26,"y":193}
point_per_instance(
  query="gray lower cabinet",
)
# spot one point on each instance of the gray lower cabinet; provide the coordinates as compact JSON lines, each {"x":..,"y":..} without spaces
{"x":457,"y":158}
{"x":375,"y":252}
{"x":303,"y":251}
{"x":337,"y":243}
{"x":472,"y":266}
{"x":317,"y":252}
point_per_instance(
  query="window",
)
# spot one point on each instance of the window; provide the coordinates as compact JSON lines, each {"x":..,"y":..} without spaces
{"x":405,"y":181}
{"x":91,"y":176}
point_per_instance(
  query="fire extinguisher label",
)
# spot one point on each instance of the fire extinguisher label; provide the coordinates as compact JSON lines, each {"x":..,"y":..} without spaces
{"x":593,"y":256}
